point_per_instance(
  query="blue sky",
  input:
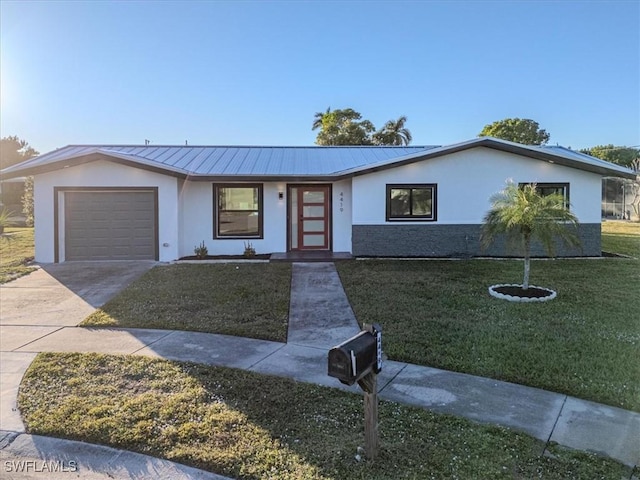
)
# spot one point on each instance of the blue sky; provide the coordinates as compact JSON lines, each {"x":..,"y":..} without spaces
{"x":254,"y":73}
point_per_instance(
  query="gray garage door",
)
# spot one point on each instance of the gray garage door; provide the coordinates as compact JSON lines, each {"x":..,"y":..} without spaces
{"x":110,"y":225}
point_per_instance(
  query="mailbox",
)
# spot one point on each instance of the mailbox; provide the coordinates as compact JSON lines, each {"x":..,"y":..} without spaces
{"x":354,"y":358}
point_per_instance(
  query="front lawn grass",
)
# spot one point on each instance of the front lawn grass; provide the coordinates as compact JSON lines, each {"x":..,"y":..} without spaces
{"x":246,"y":300}
{"x":16,"y":250}
{"x":585,"y":343}
{"x":250,"y":426}
{"x":622,"y":238}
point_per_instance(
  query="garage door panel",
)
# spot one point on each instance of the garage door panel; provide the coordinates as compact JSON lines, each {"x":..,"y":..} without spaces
{"x":100,"y":216}
{"x":110,"y":225}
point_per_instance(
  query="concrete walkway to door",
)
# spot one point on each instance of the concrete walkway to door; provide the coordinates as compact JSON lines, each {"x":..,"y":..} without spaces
{"x":320,"y":318}
{"x":320,"y":315}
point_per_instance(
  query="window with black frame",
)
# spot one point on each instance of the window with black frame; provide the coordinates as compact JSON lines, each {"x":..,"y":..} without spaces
{"x":546,"y":189}
{"x":238,"y":211}
{"x":411,"y":202}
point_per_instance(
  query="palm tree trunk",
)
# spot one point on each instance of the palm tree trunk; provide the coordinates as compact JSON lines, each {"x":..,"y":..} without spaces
{"x":527,"y":266}
{"x":527,"y":261}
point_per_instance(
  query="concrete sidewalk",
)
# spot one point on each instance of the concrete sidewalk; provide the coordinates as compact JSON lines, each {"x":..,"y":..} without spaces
{"x":23,"y":456}
{"x":316,"y":296}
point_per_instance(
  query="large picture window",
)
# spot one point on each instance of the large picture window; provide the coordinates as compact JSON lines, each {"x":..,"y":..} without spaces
{"x":238,"y":211}
{"x":415,"y":202}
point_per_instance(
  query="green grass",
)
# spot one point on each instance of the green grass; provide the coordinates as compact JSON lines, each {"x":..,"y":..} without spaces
{"x":622,"y":238}
{"x":251,"y":426}
{"x":16,"y":250}
{"x":584,"y":343}
{"x":247,"y":300}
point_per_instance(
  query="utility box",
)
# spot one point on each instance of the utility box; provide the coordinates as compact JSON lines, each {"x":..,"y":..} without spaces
{"x":354,"y":358}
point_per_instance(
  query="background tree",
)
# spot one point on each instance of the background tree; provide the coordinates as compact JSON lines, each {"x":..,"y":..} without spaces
{"x":346,"y":127}
{"x":523,"y":215}
{"x":342,"y":127}
{"x":519,"y":130}
{"x":27,"y":201}
{"x":620,"y":155}
{"x":393,"y":133}
{"x":317,"y":122}
{"x":13,"y":150}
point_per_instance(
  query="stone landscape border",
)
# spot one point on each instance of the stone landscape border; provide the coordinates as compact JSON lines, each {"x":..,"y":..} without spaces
{"x":512,"y":298}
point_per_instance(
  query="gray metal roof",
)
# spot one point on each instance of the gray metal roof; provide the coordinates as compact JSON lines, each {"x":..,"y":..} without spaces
{"x":290,"y":162}
{"x":234,"y":160}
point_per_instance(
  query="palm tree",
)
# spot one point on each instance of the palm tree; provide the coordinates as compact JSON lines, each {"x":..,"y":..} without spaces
{"x":523,"y":215}
{"x":318,"y":117}
{"x":393,"y":133}
{"x":6,"y":219}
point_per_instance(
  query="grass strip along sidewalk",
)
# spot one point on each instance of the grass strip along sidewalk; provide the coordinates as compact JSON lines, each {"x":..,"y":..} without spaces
{"x":16,"y":250}
{"x":252,"y":426}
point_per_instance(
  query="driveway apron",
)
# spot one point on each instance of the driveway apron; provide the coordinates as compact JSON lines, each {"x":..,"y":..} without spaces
{"x":46,"y":301}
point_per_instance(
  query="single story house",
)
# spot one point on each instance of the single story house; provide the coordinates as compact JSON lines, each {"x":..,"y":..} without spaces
{"x":110,"y":202}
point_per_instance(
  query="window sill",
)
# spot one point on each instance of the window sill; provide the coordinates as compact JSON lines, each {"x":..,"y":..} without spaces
{"x":412,"y":219}
{"x":230,"y":237}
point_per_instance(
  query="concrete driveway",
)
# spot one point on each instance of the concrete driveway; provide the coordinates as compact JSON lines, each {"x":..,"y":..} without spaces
{"x":59,"y":295}
{"x":51,"y":298}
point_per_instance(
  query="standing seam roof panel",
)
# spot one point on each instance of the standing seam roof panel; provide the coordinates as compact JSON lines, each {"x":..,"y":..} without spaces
{"x":187,"y":158}
{"x":252,"y":160}
{"x":193,"y":163}
{"x":225,"y":161}
{"x":171,"y":156}
{"x":210,"y":159}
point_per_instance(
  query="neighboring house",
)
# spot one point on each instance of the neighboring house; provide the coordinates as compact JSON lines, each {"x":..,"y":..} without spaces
{"x":107,"y":202}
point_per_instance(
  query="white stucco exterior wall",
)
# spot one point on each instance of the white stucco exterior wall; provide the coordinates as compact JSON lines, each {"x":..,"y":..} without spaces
{"x":341,"y":203}
{"x":196,"y":220}
{"x":103,"y":174}
{"x":466,"y":180}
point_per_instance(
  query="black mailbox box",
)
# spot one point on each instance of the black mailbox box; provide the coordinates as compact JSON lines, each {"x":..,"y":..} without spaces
{"x":354,"y":358}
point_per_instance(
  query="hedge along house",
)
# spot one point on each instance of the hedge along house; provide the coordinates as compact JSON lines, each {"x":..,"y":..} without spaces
{"x":113,"y":202}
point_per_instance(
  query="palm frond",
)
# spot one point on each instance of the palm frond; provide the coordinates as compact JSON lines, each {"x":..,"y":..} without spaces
{"x":519,"y":213}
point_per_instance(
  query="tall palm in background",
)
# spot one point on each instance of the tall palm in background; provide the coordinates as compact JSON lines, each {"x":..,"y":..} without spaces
{"x":524,"y":215}
{"x":318,"y":117}
{"x":393,"y":133}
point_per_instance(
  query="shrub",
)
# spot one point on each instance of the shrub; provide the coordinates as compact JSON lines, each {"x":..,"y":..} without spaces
{"x":249,"y":251}
{"x":201,"y":251}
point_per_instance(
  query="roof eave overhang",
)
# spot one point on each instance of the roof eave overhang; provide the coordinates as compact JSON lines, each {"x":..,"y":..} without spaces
{"x":508,"y":147}
{"x":265,"y":178}
{"x":88,"y":158}
{"x":557,"y":159}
